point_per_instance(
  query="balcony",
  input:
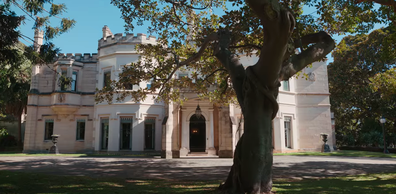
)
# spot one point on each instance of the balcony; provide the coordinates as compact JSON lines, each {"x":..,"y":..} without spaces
{"x":65,"y":103}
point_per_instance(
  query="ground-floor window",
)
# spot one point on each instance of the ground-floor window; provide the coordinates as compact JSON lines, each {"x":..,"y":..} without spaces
{"x":80,"y":129}
{"x":126,"y":133}
{"x":149,"y":133}
{"x":48,"y":129}
{"x":104,"y":136}
{"x":287,"y":122}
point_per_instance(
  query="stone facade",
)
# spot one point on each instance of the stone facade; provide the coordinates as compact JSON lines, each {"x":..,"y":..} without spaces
{"x":85,"y":126}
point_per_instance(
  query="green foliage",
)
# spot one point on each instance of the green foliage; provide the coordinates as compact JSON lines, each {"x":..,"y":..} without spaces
{"x":385,"y":83}
{"x":38,"y":11}
{"x":360,"y":82}
{"x":182,"y":27}
{"x":3,"y":132}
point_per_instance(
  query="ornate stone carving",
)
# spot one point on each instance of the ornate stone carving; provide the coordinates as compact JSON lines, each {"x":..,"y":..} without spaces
{"x":311,"y":76}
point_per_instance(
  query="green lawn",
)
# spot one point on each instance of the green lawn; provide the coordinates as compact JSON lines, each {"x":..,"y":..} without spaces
{"x":18,"y":182}
{"x":13,"y":154}
{"x":341,"y":153}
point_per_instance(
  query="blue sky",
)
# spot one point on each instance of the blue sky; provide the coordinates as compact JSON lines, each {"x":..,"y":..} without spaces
{"x":91,"y":16}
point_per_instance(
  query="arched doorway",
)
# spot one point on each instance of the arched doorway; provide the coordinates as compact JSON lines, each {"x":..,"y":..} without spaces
{"x":197,"y":134}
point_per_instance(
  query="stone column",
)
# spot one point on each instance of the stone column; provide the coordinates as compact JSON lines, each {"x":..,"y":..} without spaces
{"x":279,"y":135}
{"x":114,"y":134}
{"x":168,"y":130}
{"x":185,"y":138}
{"x":97,"y":129}
{"x":225,"y":133}
{"x":211,"y":149}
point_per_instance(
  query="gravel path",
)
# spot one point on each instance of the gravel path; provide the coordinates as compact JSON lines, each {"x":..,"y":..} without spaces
{"x":291,"y":167}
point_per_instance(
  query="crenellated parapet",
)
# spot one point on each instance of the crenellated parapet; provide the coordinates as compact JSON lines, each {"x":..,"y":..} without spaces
{"x":129,"y":38}
{"x":86,"y":57}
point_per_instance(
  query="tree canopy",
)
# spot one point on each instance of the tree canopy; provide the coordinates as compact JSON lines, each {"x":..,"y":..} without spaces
{"x":41,"y":12}
{"x":184,"y":26}
{"x":193,"y":36}
{"x":16,"y":59}
{"x":361,"y":80}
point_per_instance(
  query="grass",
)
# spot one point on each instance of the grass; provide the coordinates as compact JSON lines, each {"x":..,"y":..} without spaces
{"x":19,"y":182}
{"x":348,"y":153}
{"x":362,"y":184}
{"x":16,"y":154}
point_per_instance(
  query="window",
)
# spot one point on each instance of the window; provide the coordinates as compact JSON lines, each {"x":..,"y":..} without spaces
{"x":287,"y":122}
{"x":149,"y":84}
{"x":49,"y":129}
{"x":183,"y":75}
{"x":74,"y":82}
{"x":286,"y":86}
{"x":80,"y":129}
{"x":128,"y":86}
{"x":104,"y":136}
{"x":63,"y":87}
{"x":106,"y":79}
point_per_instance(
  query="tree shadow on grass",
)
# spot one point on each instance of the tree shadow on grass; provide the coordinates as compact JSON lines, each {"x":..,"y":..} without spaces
{"x":376,"y":184}
{"x":182,"y":169}
{"x":116,"y":175}
{"x":18,"y":182}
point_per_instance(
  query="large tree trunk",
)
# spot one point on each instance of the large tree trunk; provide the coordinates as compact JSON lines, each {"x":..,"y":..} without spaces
{"x":257,"y":88}
{"x":252,"y":169}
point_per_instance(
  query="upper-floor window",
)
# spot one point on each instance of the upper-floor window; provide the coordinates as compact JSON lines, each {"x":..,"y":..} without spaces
{"x":63,"y":87}
{"x":286,"y":85}
{"x":74,"y":81}
{"x":128,"y":86}
{"x":106,"y":79}
{"x":183,"y":75}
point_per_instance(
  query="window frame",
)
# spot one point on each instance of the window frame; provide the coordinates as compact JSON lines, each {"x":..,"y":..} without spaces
{"x":288,"y":131}
{"x":181,"y":75}
{"x":63,"y":86}
{"x":47,"y":136}
{"x":286,"y":85}
{"x":104,"y":78}
{"x":74,"y":82}
{"x":78,"y":130}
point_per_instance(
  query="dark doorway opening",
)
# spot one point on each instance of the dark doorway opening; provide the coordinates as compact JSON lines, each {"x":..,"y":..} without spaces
{"x":126,"y":135}
{"x":197,"y":134}
{"x":149,"y":134}
{"x":104,"y":142}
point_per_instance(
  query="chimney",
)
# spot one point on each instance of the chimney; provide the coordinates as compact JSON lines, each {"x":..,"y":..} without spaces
{"x":38,"y":39}
{"x":106,"y":32}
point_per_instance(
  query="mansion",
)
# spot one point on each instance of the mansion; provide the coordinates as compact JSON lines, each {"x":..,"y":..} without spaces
{"x":174,"y":130}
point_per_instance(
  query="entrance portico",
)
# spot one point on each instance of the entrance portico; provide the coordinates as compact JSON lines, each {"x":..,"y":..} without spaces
{"x":197,"y":133}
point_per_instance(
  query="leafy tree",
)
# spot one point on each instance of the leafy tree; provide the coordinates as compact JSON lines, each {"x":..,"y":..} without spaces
{"x":385,"y":83}
{"x":360,"y":80}
{"x":41,"y":11}
{"x":192,"y":36}
{"x":16,"y":58}
{"x":14,"y":88}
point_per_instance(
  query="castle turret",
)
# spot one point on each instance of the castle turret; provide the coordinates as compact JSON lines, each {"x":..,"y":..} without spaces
{"x":106,"y":32}
{"x":38,"y":39}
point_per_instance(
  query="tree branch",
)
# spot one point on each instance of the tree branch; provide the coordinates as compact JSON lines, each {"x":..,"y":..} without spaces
{"x":258,"y":47}
{"x":232,"y":64}
{"x":324,"y":45}
{"x":381,"y":2}
{"x":206,"y":78}
{"x":208,"y":39}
